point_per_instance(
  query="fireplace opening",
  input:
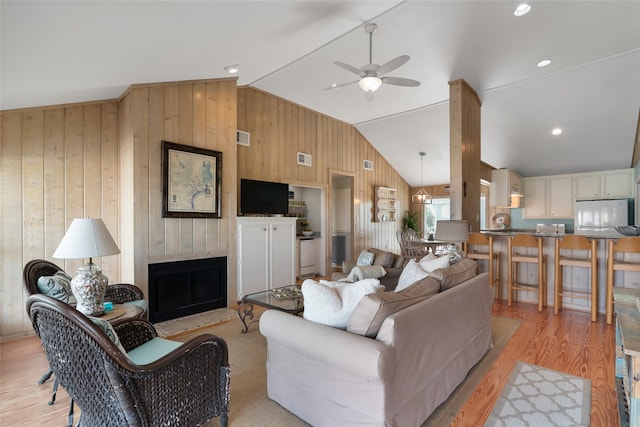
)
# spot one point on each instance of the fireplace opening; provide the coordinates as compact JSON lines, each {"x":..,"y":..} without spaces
{"x":181,"y":288}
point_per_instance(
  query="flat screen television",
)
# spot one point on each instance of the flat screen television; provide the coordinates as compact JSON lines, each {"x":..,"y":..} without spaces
{"x":263,"y":198}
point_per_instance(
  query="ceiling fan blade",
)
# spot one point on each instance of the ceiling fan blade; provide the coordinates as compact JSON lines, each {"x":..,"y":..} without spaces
{"x":389,"y":66}
{"x":349,"y":68}
{"x":399,"y":81}
{"x":337,"y":86}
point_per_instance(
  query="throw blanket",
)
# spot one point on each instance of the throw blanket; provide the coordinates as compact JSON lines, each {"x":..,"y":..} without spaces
{"x":361,"y":272}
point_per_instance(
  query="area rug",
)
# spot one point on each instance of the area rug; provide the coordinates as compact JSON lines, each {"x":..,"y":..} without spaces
{"x":250,"y":406}
{"x":194,"y":322}
{"x":537,"y":396}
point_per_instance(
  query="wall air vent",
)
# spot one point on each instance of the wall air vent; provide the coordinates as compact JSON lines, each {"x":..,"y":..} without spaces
{"x":368,"y":165}
{"x":304,"y":159}
{"x":243,"y":138}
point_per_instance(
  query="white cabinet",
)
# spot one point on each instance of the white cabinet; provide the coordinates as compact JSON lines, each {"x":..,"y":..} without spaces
{"x":266,"y":253}
{"x":535,"y":198}
{"x":506,"y":188}
{"x":548,"y":197}
{"x":613,"y":184}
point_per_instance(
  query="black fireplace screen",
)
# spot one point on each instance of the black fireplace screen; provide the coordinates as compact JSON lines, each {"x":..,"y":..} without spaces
{"x":181,"y":288}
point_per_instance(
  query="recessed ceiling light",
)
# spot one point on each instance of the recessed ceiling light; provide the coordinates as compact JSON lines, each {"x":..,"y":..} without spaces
{"x":556,"y":131}
{"x":544,"y":63}
{"x":522,"y":9}
{"x":232,"y":69}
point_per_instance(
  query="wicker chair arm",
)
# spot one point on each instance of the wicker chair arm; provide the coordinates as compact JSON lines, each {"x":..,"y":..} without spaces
{"x":134,"y":332}
{"x":119,"y":293}
{"x":198,"y":368}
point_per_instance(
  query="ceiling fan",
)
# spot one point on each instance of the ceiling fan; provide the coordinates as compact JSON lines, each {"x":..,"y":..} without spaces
{"x":373,"y":75}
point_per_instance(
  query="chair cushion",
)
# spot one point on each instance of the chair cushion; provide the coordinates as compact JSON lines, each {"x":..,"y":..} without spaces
{"x":57,"y":286}
{"x":139,"y":303}
{"x":410,"y":275}
{"x":460,"y":272}
{"x":152,"y":350}
{"x":331,"y":303}
{"x":372,"y":309}
{"x":108,"y":330}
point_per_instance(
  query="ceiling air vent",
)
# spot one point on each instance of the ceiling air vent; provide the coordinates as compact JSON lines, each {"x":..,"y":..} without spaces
{"x":243,"y":138}
{"x":304,"y":159}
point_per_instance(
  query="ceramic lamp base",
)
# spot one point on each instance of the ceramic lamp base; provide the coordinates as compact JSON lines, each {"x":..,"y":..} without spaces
{"x":89,"y":287}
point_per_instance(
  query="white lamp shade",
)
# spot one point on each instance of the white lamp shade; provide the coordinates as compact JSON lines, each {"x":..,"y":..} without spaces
{"x":370,"y":84}
{"x":86,"y":238}
{"x":452,"y":231}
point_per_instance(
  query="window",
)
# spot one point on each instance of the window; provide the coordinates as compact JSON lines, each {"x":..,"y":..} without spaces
{"x":439,"y":209}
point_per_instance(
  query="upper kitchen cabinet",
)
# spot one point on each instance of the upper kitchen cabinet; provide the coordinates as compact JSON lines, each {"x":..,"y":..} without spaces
{"x":506,"y":189}
{"x":615,"y":184}
{"x":549,"y":197}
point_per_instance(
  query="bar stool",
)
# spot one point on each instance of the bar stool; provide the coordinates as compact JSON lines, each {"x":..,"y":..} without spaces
{"x":527,"y":241}
{"x":579,"y":243}
{"x":625,"y":244}
{"x":479,"y":239}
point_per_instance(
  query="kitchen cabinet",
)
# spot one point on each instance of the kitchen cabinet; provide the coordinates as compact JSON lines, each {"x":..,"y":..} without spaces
{"x":548,"y":197}
{"x":266,"y":253}
{"x":386,"y":199}
{"x":506,"y":188}
{"x":613,"y":184}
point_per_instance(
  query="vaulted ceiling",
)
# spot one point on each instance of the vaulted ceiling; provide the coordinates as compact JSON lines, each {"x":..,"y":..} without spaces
{"x":56,"y":52}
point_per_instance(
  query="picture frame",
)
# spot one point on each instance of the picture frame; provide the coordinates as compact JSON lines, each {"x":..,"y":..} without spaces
{"x":191,"y":181}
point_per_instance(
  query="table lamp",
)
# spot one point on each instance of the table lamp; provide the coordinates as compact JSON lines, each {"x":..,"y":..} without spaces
{"x":88,"y":238}
{"x":453,"y":231}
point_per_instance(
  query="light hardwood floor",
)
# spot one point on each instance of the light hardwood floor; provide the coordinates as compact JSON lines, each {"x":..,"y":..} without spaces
{"x":569,"y":342}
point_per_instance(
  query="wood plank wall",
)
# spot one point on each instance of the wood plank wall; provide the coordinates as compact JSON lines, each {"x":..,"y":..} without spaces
{"x":102,"y":159}
{"x":56,"y":164}
{"x":279,"y":129}
{"x":197,"y":113}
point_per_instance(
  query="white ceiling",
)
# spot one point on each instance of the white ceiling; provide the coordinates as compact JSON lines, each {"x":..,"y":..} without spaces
{"x":56,"y":52}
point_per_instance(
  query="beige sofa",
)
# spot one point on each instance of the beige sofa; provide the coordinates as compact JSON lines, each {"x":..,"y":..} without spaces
{"x":330,"y":377}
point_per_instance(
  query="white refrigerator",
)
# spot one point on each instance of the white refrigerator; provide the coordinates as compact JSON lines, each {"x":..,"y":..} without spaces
{"x":600,"y":216}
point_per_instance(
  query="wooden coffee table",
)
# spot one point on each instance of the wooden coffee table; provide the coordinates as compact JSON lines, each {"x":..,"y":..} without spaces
{"x":287,"y":298}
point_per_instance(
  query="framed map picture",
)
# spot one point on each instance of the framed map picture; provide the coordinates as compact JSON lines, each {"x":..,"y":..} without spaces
{"x":191,"y":181}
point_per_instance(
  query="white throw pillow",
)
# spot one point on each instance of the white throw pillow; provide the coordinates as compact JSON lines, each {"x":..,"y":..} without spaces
{"x":410,"y":274}
{"x":365,"y":258}
{"x":331,"y":303}
{"x":435,"y":263}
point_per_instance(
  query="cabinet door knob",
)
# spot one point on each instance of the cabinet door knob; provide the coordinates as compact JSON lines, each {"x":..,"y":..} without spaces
{"x":264,"y":229}
{"x":275,"y":228}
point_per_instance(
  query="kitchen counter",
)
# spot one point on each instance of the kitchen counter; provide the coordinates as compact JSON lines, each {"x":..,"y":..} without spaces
{"x":513,"y":231}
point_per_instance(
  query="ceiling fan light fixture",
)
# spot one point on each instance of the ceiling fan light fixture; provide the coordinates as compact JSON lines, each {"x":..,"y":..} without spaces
{"x":370,"y":83}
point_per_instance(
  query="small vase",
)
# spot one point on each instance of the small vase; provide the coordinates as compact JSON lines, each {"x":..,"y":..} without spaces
{"x":89,"y":287}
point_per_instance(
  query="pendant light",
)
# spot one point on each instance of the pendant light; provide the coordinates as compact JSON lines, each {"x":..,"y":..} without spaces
{"x":421,"y":197}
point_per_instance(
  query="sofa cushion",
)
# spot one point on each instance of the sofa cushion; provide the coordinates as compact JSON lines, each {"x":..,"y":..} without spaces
{"x":460,"y":272}
{"x":411,"y":274}
{"x":360,"y":272}
{"x":431,"y":262}
{"x":372,"y":309}
{"x":331,"y":303}
{"x":383,"y":258}
{"x":57,"y":286}
{"x":365,"y":258}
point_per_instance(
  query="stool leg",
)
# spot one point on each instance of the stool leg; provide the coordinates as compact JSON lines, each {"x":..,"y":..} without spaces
{"x":497,"y":273}
{"x":557,"y":294}
{"x":540,"y":284}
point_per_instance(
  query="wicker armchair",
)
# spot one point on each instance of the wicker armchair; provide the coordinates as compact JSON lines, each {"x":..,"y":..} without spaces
{"x":187,"y":387}
{"x":118,"y":293}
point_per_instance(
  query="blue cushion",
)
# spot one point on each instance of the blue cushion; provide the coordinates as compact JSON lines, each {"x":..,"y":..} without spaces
{"x":139,"y":303}
{"x":152,"y":350}
{"x":57,"y":286}
{"x":108,"y":329}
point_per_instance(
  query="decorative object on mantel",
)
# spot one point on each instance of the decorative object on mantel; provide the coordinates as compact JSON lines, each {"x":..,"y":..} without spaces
{"x":421,"y":197}
{"x":453,"y":231}
{"x":88,"y":238}
{"x":191,"y":181}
